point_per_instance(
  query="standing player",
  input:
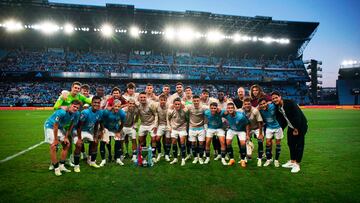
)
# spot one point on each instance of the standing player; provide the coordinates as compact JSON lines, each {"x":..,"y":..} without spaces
{"x":90,"y":121}
{"x":273,"y":129}
{"x":188,"y":96}
{"x":148,"y":120}
{"x":177,"y":126}
{"x":113,"y":121}
{"x":66,"y":97}
{"x":131,"y":92}
{"x":196,"y":128}
{"x":256,"y":127}
{"x":150,"y":93}
{"x":162,"y":128}
{"x":239,"y":126}
{"x":55,"y":132}
{"x":214,"y":127}
{"x":132,"y":116}
{"x":178,"y":94}
{"x":289,"y":114}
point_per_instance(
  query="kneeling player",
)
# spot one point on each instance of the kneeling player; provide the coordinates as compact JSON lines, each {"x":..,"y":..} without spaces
{"x":273,"y":129}
{"x":214,"y":127}
{"x":54,"y":132}
{"x":239,"y":126}
{"x":177,"y":126}
{"x":113,"y":122}
{"x":87,"y":131}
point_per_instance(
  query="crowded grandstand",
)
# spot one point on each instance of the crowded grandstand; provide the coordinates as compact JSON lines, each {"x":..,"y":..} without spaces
{"x":126,"y":44}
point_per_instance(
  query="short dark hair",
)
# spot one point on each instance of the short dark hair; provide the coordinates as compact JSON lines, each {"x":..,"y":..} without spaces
{"x":262,"y":99}
{"x":230,"y":104}
{"x":196,"y":97}
{"x":142,"y":93}
{"x":213,"y":104}
{"x":177,"y":100}
{"x":115,"y":89}
{"x":85,"y":86}
{"x":162,"y":96}
{"x":76,"y":83}
{"x":205,"y":90}
{"x":149,"y":84}
{"x":130,"y":85}
{"x":179,"y":83}
{"x":76,"y":102}
{"x":247,"y":99}
{"x":188,"y":87}
{"x":276,"y":93}
{"x":95,"y":98}
{"x":166,"y":85}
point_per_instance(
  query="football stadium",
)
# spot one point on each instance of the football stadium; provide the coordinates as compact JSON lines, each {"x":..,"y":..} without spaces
{"x":116,"y":103}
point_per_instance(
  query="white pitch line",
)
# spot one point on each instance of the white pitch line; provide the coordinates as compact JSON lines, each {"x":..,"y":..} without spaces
{"x":22,"y":152}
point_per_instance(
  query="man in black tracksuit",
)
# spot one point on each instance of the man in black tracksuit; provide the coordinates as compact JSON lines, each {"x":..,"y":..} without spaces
{"x":289,"y":114}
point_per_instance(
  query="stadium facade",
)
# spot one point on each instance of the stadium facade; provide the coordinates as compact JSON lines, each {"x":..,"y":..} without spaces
{"x":114,"y":44}
{"x":348,"y":85}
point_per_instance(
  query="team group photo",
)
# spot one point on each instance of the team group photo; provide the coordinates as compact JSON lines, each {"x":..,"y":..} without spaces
{"x":179,"y":101}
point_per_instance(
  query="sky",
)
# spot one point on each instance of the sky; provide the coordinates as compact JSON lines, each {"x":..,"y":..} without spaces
{"x":337,"y":38}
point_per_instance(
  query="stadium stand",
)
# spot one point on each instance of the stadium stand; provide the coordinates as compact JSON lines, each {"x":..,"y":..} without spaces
{"x":348,"y":86}
{"x":34,"y":68}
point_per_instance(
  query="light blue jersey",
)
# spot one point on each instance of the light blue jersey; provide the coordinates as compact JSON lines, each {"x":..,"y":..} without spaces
{"x":111,"y":120}
{"x":269,"y":117}
{"x":214,"y":121}
{"x":89,"y":119}
{"x":62,"y":117}
{"x":238,"y":121}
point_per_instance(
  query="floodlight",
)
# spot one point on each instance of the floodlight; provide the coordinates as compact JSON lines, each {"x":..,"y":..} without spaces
{"x":107,"y":30}
{"x":185,"y":34}
{"x":68,"y":28}
{"x":134,"y":31}
{"x":48,"y":27}
{"x":214,"y":36}
{"x":169,"y":33}
{"x":13,"y":26}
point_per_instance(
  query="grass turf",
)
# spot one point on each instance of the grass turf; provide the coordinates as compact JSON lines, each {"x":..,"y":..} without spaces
{"x":330,"y":170}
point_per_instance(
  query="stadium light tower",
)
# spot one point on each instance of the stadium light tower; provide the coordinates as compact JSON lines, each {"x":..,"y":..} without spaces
{"x":68,"y":28}
{"x":107,"y":30}
{"x":134,"y":32}
{"x":13,"y":25}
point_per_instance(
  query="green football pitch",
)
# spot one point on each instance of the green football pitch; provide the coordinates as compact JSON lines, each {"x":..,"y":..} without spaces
{"x":330,"y":170}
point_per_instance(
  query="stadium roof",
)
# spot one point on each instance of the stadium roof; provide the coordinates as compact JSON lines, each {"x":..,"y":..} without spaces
{"x":124,"y":16}
{"x":349,"y":73}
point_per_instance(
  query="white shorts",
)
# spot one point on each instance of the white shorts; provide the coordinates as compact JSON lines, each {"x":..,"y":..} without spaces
{"x":128,"y":131}
{"x":85,"y":136}
{"x":212,"y":132}
{"x":108,"y":134}
{"x":277,"y":133}
{"x":177,"y":133}
{"x":163,"y":130}
{"x":255,"y":132}
{"x":231,"y":133}
{"x":144,"y":130}
{"x":198,"y":133}
{"x":49,"y":135}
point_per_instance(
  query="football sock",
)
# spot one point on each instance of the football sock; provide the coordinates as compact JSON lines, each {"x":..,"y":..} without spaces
{"x":183,"y":150}
{"x":158,"y":146}
{"x":117,"y":149}
{"x":260,"y":149}
{"x":230,"y":151}
{"x":102,"y":149}
{"x":175,"y":150}
{"x":268,"y":152}
{"x":277,"y":152}
{"x":76,"y":159}
{"x":243,"y":151}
